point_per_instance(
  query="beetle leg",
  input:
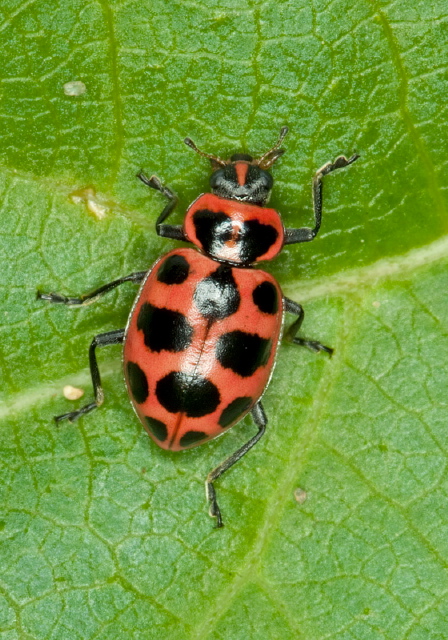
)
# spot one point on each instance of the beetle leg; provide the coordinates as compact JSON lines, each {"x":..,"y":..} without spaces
{"x":306,"y":234}
{"x":173,"y":231}
{"x":261,"y":421}
{"x":101,"y":340}
{"x":87,"y":298}
{"x":313,"y":345}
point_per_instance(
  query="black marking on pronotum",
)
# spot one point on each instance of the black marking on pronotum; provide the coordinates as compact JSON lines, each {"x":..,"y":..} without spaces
{"x":213,"y":229}
{"x":137,"y":382}
{"x":191,"y":437}
{"x":266,"y":298}
{"x":234,"y":411}
{"x":252,"y":239}
{"x":217,"y":296}
{"x":243,"y":352}
{"x":164,"y":329}
{"x":157,"y":428}
{"x":187,"y":393}
{"x":173,"y":270}
{"x":257,"y":240}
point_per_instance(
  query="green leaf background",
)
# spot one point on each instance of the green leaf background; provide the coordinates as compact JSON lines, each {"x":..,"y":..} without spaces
{"x":105,"y":536}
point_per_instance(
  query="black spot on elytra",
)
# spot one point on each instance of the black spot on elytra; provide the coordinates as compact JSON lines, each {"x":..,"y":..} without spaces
{"x":217,"y":296}
{"x":157,"y":428}
{"x":257,"y":239}
{"x":138,"y":382}
{"x":234,"y":410}
{"x":164,"y":329}
{"x":265,"y":297}
{"x":243,"y":352}
{"x":173,"y":270}
{"x":191,"y":437}
{"x":213,"y":229}
{"x":187,"y":393}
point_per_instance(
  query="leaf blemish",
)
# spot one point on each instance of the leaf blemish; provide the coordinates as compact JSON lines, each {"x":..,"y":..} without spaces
{"x":72,"y":393}
{"x":300,"y":495}
{"x":95,"y":203}
{"x":74,"y":88}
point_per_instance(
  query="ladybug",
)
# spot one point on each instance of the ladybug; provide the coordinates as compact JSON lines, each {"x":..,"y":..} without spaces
{"x":202,"y":336}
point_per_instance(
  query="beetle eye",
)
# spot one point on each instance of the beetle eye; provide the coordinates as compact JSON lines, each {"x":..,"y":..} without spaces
{"x":267,"y":180}
{"x":216,"y":178}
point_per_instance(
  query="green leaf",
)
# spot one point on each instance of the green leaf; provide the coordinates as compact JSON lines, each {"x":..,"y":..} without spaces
{"x":336,"y":523}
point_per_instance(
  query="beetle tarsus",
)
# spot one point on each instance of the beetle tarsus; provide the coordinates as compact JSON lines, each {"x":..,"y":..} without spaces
{"x":52,"y":297}
{"x":313,"y":345}
{"x":72,"y":416}
{"x":214,"y":511}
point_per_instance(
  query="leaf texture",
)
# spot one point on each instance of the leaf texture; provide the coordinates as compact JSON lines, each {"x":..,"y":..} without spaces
{"x":336,"y":523}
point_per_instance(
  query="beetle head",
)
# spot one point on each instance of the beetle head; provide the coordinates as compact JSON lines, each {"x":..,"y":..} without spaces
{"x":243,"y":177}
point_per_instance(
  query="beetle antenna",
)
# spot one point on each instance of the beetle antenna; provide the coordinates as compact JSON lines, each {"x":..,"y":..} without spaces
{"x":213,"y":159}
{"x":267,"y":160}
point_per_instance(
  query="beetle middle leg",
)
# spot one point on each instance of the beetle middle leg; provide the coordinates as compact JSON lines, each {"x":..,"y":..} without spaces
{"x":101,"y":340}
{"x":87,"y":298}
{"x":260,"y":419}
{"x":313,"y":345}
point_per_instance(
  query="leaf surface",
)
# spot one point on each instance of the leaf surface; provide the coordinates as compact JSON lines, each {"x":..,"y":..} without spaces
{"x":336,"y":523}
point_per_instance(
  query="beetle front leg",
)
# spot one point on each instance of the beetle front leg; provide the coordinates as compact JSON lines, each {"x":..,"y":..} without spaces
{"x":101,"y":340}
{"x":87,"y":298}
{"x":261,"y":421}
{"x":306,"y":234}
{"x":175,"y":232}
{"x":313,"y":345}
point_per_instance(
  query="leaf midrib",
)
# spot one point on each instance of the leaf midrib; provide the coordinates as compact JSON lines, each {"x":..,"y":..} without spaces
{"x":346,"y":283}
{"x":351,"y":280}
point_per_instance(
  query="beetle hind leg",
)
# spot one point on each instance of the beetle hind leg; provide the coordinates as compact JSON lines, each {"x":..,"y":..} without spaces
{"x":312,"y":345}
{"x":101,"y":340}
{"x":261,"y":421}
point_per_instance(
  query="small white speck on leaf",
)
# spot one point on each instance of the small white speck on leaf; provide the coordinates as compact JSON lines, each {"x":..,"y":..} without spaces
{"x":376,"y":304}
{"x":300,"y":495}
{"x":74,"y":88}
{"x":72,"y":393}
{"x":99,"y":210}
{"x":94,"y":202}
